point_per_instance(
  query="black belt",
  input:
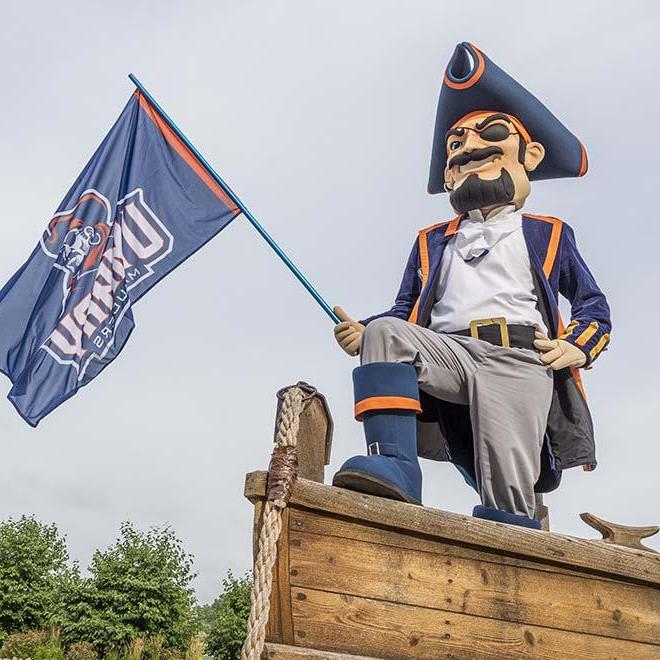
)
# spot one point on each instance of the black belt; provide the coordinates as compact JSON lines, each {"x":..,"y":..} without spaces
{"x":497,"y":331}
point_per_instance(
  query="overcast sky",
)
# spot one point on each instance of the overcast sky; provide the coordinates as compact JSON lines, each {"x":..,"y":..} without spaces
{"x":320,"y":116}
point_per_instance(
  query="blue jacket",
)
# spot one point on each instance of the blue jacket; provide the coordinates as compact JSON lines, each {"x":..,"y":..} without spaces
{"x":557,"y":268}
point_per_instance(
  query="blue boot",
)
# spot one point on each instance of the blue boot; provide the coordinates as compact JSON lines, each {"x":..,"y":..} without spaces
{"x":387,"y":401}
{"x":486,"y":513}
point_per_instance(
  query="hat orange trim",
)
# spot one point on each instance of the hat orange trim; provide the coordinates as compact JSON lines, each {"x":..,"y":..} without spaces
{"x":474,"y":78}
{"x":584,"y":165}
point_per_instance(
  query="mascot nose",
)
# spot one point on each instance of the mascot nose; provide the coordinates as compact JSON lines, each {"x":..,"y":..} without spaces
{"x":472,"y":142}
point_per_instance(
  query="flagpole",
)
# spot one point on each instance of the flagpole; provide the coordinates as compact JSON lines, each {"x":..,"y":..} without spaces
{"x":244,"y":210}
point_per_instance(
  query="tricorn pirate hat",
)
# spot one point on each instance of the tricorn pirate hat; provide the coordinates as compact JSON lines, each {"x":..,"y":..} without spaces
{"x":473,"y":83}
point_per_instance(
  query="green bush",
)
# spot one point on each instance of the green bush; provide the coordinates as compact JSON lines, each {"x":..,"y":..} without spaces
{"x":82,"y":651}
{"x":34,"y":644}
{"x":232,"y":610}
{"x":33,"y":565}
{"x":152,"y":648}
{"x":139,"y":588}
{"x":24,"y":645}
{"x":171,"y":654}
{"x":135,"y":604}
{"x":51,"y":650}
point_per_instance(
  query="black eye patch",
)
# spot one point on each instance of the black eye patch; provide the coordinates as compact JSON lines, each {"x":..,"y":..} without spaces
{"x":495,"y":133}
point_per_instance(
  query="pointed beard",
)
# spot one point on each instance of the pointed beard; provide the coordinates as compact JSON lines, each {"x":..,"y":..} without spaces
{"x":476,"y":193}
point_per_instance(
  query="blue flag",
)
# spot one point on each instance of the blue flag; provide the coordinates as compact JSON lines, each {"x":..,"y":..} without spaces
{"x":142,"y":205}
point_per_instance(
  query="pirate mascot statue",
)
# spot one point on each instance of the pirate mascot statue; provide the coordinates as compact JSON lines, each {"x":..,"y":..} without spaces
{"x":472,"y":364}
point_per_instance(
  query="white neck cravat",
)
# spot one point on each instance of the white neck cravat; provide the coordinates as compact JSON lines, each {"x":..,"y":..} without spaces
{"x":485,"y":273}
{"x":478,"y":236}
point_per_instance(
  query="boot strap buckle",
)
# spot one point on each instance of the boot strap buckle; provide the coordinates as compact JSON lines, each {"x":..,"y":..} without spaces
{"x":373,"y":449}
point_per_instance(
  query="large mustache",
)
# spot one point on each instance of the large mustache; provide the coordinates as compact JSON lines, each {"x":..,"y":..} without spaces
{"x":477,"y":154}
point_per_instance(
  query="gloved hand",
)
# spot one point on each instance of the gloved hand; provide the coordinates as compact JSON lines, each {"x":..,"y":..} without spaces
{"x":558,"y":353}
{"x":348,"y":333}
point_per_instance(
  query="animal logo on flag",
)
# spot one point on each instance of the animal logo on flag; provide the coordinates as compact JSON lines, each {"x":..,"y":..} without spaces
{"x":100,"y":256}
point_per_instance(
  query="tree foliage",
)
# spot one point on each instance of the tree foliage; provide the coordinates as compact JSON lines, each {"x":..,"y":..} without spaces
{"x":137,"y":588}
{"x":135,"y":602}
{"x":230,"y":615}
{"x":33,"y":565}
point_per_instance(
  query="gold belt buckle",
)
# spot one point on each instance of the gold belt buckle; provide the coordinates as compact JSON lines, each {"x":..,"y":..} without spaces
{"x":499,"y":320}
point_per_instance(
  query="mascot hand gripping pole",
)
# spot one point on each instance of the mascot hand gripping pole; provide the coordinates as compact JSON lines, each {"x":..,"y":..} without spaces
{"x":473,"y":364}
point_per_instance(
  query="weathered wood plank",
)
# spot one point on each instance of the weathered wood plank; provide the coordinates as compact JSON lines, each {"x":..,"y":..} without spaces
{"x":313,"y":452}
{"x":327,"y":524}
{"x":283,"y":592}
{"x":279,"y":627}
{"x":542,"y":514}
{"x":257,"y":521}
{"x":349,"y":624}
{"x":273,"y":624}
{"x":592,"y":556}
{"x":482,"y":588}
{"x":286,"y":652}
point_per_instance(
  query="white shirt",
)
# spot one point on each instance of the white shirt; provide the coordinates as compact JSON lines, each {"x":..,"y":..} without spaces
{"x":486,"y":272}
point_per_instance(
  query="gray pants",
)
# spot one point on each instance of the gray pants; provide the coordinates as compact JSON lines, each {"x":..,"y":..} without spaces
{"x":508,"y":390}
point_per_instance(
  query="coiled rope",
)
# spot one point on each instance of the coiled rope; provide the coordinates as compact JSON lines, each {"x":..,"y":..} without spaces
{"x":282,"y":474}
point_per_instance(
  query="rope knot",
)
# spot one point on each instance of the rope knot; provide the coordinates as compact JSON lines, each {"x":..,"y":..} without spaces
{"x":282,"y":474}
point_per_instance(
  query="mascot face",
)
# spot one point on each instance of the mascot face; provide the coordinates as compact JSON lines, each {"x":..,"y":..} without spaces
{"x":489,"y":156}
